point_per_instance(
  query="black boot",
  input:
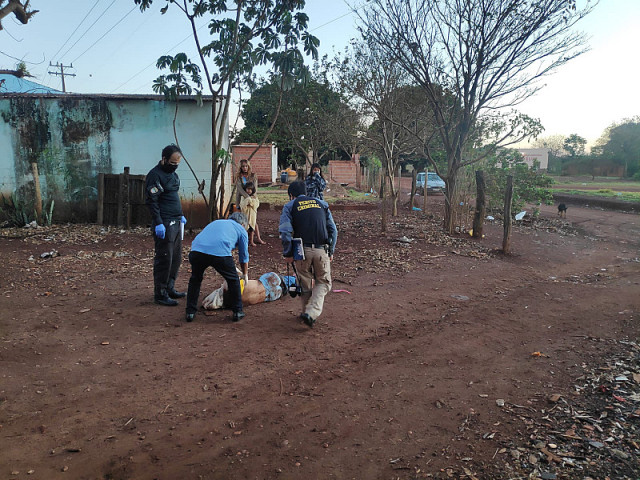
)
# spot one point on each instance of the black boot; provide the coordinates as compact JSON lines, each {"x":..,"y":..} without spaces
{"x":173,"y":293}
{"x":161,"y":297}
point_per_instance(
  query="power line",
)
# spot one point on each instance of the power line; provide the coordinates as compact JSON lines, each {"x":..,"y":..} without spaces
{"x":153,"y":63}
{"x":14,"y":58}
{"x":61,"y":73}
{"x":338,"y":18}
{"x":190,"y":36}
{"x":73,"y":33}
{"x":105,"y":34}
{"x":330,"y":21}
{"x":87,"y":30}
{"x":14,"y":38}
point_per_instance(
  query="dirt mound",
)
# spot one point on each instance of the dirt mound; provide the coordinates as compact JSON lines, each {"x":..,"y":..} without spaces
{"x":335,"y":190}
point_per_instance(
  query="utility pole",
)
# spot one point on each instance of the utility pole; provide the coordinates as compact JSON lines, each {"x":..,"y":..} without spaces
{"x":61,"y":72}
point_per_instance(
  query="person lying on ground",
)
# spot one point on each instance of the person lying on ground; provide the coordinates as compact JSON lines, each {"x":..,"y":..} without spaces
{"x":268,"y":288}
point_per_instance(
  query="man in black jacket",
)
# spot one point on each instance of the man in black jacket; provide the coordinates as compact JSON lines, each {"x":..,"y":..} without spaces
{"x":309,"y":219}
{"x":163,"y":200}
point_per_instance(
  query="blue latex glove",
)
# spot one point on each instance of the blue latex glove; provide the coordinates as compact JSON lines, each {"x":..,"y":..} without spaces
{"x":160,"y":231}
{"x":183,"y":220}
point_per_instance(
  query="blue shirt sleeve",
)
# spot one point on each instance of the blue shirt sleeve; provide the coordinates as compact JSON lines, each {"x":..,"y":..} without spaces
{"x":286,"y":229}
{"x":243,"y":244}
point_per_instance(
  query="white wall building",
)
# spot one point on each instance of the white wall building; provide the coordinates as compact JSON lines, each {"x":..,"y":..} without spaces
{"x":533,"y":154}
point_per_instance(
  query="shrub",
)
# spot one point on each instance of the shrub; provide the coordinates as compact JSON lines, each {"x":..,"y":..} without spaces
{"x":529,"y":184}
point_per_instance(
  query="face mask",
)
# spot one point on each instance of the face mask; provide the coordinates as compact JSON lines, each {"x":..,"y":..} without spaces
{"x":167,"y":167}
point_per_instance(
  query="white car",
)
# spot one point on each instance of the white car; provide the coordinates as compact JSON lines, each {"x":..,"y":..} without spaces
{"x":434,"y":183}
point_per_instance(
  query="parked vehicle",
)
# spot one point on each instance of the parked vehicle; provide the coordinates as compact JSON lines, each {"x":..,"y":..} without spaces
{"x":434,"y":183}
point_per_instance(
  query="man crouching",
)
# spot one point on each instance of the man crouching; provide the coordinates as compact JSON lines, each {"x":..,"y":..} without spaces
{"x":212,"y":248}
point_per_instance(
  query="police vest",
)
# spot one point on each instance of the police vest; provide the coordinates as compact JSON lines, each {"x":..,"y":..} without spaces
{"x":309,"y":220}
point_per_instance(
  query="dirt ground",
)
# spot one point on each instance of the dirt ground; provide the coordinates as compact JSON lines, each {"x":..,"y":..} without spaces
{"x":435,"y":357}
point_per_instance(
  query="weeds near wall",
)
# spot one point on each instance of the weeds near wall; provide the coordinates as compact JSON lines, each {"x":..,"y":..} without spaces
{"x":17,"y":213}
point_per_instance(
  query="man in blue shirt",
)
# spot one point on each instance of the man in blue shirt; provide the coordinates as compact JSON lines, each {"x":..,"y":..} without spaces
{"x":309,"y":219}
{"x":212,"y":248}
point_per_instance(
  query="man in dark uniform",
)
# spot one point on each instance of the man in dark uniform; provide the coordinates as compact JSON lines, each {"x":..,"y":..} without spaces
{"x":163,"y":200}
{"x":309,"y":219}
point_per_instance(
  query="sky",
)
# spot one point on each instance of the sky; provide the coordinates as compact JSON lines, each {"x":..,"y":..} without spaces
{"x":113,"y":48}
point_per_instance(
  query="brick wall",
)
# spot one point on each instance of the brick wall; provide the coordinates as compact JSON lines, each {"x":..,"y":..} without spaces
{"x":345,"y":171}
{"x":261,"y":162}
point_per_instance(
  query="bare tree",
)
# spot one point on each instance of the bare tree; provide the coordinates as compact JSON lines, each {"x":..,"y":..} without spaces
{"x":19,"y":8}
{"x":384,"y":93}
{"x":555,"y":144}
{"x":487,"y":55}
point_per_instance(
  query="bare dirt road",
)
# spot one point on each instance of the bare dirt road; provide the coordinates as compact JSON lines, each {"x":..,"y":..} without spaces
{"x":438,"y":358}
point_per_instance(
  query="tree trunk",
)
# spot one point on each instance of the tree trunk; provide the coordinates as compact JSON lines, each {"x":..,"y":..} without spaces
{"x":414,"y":173}
{"x":19,"y":9}
{"x":393,"y":197}
{"x":383,"y":219}
{"x":213,"y":185}
{"x":394,"y":209}
{"x":450,"y":202}
{"x":478,"y":219}
{"x":508,"y":196}
{"x":38,"y":192}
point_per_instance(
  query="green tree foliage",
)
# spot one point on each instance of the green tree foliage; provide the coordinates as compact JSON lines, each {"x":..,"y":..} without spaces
{"x":574,"y":145}
{"x":623,"y":146}
{"x":488,"y":55}
{"x":313,"y":122}
{"x":242,"y":34}
{"x":529,"y":185}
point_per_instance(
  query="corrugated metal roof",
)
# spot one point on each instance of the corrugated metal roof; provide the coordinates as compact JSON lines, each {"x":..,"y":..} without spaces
{"x":12,"y":84}
{"x":106,"y":96}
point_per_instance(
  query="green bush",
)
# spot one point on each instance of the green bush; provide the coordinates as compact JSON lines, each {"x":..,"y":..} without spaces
{"x":17,"y":214}
{"x":529,"y":184}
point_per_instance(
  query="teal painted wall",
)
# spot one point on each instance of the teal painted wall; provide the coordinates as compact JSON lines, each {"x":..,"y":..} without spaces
{"x":73,"y":138}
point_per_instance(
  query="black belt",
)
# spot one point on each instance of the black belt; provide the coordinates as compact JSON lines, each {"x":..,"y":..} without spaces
{"x":314,"y":245}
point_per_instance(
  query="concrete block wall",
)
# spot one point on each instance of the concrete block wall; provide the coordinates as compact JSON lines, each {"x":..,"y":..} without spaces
{"x":345,"y":171}
{"x":262,"y":163}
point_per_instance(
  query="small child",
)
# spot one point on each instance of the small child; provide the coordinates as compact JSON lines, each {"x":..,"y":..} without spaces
{"x":249,"y":206}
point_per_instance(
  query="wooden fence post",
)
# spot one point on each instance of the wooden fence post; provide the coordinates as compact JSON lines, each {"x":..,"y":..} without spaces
{"x":478,"y":219}
{"x":126,"y":201}
{"x":508,"y":196}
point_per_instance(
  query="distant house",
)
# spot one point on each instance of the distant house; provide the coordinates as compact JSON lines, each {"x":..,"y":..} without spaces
{"x":264,"y":162}
{"x":74,"y":137}
{"x":533,"y":154}
{"x":12,"y":84}
{"x":347,"y":172}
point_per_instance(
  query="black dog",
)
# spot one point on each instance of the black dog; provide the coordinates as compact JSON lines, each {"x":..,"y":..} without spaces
{"x":562,"y":210}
